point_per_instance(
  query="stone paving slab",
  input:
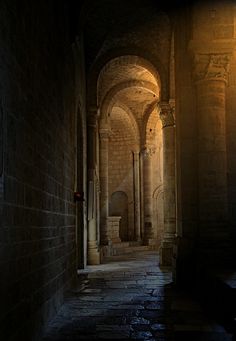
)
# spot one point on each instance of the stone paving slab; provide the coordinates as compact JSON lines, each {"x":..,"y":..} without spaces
{"x":130,"y":298}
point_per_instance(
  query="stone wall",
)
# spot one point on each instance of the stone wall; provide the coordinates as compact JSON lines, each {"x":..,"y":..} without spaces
{"x":121,"y":143}
{"x":38,"y":214}
{"x":81,"y":149}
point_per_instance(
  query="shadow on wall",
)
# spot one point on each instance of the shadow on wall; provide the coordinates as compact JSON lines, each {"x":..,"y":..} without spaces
{"x":119,"y":207}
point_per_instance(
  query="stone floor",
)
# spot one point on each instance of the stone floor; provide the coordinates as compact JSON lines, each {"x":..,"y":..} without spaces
{"x":131,"y":298}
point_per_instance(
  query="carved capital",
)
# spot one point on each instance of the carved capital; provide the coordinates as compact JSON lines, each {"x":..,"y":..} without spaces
{"x":211,"y":66}
{"x":148,"y":151}
{"x":167,"y":114}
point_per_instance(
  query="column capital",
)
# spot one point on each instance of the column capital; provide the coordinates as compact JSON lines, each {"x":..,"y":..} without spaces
{"x":136,"y":151}
{"x":148,"y":151}
{"x":209,"y":66}
{"x":167,"y":114}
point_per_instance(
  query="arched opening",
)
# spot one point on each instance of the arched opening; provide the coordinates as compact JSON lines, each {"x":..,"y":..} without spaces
{"x":128,"y":94}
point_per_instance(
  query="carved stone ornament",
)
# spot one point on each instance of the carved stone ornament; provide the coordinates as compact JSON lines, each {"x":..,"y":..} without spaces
{"x":167,"y":115}
{"x":149,"y":151}
{"x":211,"y":66}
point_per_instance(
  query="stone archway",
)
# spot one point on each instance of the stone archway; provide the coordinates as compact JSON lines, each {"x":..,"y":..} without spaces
{"x":126,"y":103}
{"x":120,"y":61}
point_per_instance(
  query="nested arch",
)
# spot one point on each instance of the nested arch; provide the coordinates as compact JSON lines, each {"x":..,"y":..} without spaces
{"x":112,"y":92}
{"x":127,"y":55}
{"x":112,"y":98}
{"x":127,"y":69}
{"x":133,"y":122}
{"x":123,"y":127}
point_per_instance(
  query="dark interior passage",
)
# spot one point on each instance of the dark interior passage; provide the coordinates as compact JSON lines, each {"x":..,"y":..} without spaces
{"x":117,"y":134}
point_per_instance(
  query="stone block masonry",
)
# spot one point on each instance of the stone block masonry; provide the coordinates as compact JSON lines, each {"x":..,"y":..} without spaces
{"x":37,"y":235}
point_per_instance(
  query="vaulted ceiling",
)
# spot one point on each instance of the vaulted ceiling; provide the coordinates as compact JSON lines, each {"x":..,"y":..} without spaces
{"x":127,"y":46}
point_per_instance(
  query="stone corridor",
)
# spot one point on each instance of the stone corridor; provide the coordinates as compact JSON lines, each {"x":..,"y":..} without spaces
{"x":131,"y":297}
{"x":117,"y":131}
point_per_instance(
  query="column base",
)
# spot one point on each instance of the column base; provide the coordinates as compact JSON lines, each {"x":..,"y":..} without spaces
{"x":93,"y":254}
{"x":152,"y":243}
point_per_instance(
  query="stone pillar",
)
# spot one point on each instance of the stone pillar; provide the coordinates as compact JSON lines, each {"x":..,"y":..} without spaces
{"x":93,"y":253}
{"x":104,"y":199}
{"x":211,"y":72}
{"x":141,"y":197}
{"x":137,"y":218}
{"x":147,"y":195}
{"x":168,"y":133}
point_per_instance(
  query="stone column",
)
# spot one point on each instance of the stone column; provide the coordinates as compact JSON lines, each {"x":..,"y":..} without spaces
{"x":168,"y":133}
{"x":141,"y":197}
{"x":93,"y":253}
{"x":104,"y":199}
{"x":211,"y":72}
{"x":137,"y":218}
{"x":147,"y":195}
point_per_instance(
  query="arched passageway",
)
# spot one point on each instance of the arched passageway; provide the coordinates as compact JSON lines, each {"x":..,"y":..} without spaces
{"x":131,"y":146}
{"x":99,"y":98}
